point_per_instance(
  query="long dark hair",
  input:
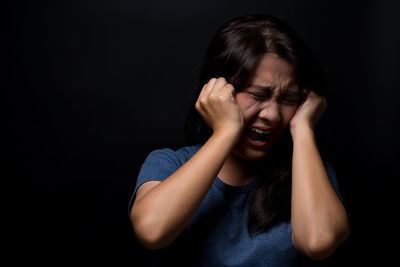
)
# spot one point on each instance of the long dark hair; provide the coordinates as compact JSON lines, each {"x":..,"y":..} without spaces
{"x":233,"y":53}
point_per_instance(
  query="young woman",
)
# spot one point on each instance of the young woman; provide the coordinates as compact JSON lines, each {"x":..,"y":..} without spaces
{"x":251,"y":188}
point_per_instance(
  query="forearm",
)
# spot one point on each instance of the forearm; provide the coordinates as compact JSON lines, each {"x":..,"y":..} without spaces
{"x":164,"y":211}
{"x":319,"y":220}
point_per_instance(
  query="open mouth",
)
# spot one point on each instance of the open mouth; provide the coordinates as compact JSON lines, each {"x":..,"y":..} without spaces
{"x":258,"y":135}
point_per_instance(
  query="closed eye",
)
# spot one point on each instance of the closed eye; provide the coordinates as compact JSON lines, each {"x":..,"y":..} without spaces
{"x":285,"y":99}
{"x":289,"y":100}
{"x":258,"y":96}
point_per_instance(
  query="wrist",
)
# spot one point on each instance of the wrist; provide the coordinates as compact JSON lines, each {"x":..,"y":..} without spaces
{"x":301,"y":131}
{"x":228,"y":133}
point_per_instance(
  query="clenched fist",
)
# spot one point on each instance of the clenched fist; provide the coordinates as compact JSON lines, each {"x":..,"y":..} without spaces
{"x":217,"y":105}
{"x":309,"y":112}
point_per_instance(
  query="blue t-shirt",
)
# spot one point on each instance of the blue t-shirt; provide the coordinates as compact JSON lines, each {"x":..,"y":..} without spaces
{"x":217,"y":235}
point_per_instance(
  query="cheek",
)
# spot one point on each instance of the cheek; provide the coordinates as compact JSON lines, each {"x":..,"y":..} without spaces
{"x":245,"y":103}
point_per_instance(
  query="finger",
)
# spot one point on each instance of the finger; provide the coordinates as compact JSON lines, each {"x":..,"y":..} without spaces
{"x":219,"y":84}
{"x":229,"y":91}
{"x":202,"y":91}
{"x":208,"y":87}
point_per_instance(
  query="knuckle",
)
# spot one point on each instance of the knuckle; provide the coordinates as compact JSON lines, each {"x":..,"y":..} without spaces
{"x":230,"y":87}
{"x":211,"y":81}
{"x":202,"y":101}
{"x":221,"y":81}
{"x":213,"y":96}
{"x":222,"y":98}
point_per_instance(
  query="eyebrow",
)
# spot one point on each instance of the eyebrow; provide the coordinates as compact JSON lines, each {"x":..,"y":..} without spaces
{"x":286,"y":91}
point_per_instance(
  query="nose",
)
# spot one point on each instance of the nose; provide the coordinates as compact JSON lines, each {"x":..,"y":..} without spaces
{"x":270,"y":111}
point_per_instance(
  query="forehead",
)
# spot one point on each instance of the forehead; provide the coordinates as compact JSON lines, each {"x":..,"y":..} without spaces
{"x":273,"y":71}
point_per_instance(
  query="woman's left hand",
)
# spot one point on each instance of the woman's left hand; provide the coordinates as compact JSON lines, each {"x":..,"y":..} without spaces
{"x":309,"y":112}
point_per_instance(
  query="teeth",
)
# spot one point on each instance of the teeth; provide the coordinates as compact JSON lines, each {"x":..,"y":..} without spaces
{"x":260,"y":131}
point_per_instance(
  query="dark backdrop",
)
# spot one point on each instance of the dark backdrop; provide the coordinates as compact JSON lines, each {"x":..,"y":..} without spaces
{"x":91,"y":87}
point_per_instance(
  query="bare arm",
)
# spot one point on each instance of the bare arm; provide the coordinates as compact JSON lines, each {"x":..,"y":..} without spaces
{"x":162,"y":212}
{"x":319,"y":220}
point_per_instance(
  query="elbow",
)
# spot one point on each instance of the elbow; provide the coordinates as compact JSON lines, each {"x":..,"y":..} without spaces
{"x":148,"y":233}
{"x":320,"y":249}
{"x":322,"y":246}
{"x":151,"y":242}
{"x":148,"y":237}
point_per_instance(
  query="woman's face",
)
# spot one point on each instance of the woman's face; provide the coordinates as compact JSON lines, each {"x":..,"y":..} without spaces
{"x":267,"y":104}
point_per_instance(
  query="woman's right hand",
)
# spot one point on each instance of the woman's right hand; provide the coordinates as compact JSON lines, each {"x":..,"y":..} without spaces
{"x":217,"y":105}
{"x":157,"y":218}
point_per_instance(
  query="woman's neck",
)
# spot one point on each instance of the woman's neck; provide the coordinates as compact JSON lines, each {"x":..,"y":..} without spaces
{"x":236,"y":172}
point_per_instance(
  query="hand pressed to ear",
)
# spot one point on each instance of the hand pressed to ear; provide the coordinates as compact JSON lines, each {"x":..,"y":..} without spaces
{"x":217,"y":105}
{"x":309,"y":112}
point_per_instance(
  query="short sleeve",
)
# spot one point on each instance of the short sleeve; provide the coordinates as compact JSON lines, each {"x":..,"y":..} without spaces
{"x":158,"y":166}
{"x":332,"y":177}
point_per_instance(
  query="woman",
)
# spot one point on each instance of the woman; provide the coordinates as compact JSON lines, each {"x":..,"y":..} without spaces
{"x":251,"y":189}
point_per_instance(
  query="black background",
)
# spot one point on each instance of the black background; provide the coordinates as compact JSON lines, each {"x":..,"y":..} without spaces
{"x":91,"y":87}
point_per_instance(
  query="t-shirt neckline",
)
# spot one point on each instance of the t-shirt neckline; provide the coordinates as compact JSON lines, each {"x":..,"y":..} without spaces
{"x":236,"y":189}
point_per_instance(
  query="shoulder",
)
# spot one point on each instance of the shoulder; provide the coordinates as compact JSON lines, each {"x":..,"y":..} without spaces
{"x":161,"y":163}
{"x":174,"y":157}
